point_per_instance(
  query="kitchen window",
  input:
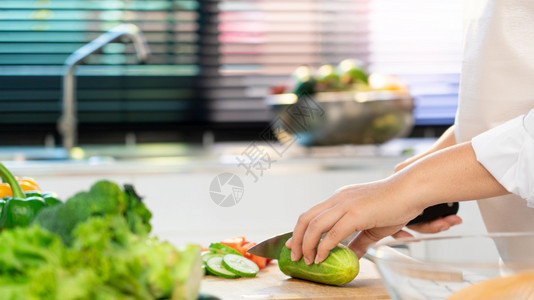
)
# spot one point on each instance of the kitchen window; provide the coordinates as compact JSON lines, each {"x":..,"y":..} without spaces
{"x":212,"y":63}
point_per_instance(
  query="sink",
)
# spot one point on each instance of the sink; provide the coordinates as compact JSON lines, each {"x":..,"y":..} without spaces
{"x":23,"y":153}
{"x":99,"y":152}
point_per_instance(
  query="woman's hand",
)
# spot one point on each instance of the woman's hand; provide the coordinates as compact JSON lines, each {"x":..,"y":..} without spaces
{"x":379,"y":209}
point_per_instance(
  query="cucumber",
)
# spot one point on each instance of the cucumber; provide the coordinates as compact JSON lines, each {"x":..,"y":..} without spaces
{"x":339,"y":268}
{"x":240,"y":265}
{"x":207,"y":255}
{"x":214,"y":266}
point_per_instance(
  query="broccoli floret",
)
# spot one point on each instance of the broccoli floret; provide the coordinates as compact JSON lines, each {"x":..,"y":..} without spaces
{"x":103,"y":198}
{"x":106,"y":197}
{"x":137,"y":215}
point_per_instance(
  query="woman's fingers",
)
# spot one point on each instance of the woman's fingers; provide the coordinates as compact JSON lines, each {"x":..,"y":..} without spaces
{"x":303,"y":222}
{"x":438,"y":225}
{"x":343,"y":228}
{"x":368,"y":237}
{"x":401,"y":234}
{"x":322,"y":223}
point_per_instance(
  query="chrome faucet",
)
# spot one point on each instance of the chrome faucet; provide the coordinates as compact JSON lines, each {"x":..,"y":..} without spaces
{"x":68,"y":123}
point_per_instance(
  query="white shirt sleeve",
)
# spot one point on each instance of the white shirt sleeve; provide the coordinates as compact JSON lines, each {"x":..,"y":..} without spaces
{"x":507,"y":152}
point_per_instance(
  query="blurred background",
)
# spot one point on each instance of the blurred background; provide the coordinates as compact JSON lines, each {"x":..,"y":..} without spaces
{"x":212,"y":63}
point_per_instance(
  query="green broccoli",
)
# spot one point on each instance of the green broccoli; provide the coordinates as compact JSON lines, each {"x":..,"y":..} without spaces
{"x":137,"y":215}
{"x":103,"y":198}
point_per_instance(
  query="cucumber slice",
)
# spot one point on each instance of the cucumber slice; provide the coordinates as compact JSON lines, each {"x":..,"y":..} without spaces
{"x":240,"y":265}
{"x":207,"y":255}
{"x":222,"y":249}
{"x":215,"y":267}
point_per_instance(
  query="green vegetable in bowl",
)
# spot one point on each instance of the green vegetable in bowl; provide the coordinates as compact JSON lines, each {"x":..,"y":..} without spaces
{"x":327,"y":79}
{"x":303,"y":81}
{"x":351,"y":71}
{"x":339,"y":268}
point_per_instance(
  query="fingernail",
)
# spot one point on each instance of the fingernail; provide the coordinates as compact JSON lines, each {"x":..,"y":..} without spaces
{"x":307,"y":261}
{"x":288,"y":244}
{"x":317,"y":259}
{"x":293,"y":256}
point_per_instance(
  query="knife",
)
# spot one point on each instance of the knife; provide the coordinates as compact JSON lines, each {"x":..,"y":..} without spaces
{"x":271,"y":247}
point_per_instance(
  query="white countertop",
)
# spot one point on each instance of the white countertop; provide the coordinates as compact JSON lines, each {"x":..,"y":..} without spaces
{"x":176,"y":158}
{"x":177,"y":188}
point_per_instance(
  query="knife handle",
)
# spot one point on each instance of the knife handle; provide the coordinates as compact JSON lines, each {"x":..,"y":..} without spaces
{"x":436,"y":211}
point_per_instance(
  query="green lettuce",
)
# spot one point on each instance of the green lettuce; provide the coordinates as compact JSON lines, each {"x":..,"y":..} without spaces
{"x":96,"y":246}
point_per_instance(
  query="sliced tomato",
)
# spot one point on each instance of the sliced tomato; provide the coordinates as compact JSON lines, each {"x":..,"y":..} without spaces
{"x":238,"y":240}
{"x":236,"y":243}
{"x":260,"y":261}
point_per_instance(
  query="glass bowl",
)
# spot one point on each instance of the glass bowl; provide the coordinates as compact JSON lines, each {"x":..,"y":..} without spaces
{"x":491,"y":266}
{"x":336,"y":118}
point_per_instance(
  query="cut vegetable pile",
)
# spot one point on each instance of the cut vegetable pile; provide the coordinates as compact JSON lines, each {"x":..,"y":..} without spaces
{"x":230,"y":259}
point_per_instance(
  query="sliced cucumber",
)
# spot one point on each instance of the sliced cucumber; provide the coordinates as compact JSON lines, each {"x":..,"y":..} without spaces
{"x":240,"y":265}
{"x":222,"y":249}
{"x":215,"y":267}
{"x":207,"y":255}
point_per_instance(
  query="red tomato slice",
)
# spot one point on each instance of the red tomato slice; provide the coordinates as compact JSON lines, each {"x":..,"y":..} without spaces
{"x":236,"y":243}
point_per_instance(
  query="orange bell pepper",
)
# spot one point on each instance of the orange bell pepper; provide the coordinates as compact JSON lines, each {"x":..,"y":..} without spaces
{"x":26,"y":183}
{"x":5,"y":190}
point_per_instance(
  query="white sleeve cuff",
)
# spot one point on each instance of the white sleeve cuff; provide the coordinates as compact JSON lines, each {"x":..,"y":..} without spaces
{"x":507,"y":152}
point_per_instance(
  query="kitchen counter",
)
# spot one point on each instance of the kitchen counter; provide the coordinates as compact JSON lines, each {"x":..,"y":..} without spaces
{"x":177,"y":188}
{"x":176,"y":183}
{"x":271,"y":283}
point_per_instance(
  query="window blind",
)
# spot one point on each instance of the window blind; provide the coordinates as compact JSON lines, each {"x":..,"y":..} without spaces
{"x":36,"y":36}
{"x":214,"y":61}
{"x":421,"y":42}
{"x":263,"y":41}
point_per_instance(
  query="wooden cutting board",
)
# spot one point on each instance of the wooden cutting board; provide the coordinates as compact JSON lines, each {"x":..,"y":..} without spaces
{"x":270,"y":283}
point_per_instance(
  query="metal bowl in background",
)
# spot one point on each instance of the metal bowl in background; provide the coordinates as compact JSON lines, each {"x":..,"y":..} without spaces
{"x":335,"y":118}
{"x":489,"y":266}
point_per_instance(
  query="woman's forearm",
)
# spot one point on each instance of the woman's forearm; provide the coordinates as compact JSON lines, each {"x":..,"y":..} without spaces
{"x":447,"y":139}
{"x":449,"y":175}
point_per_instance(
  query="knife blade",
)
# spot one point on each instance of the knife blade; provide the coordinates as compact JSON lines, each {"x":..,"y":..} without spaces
{"x":271,"y":247}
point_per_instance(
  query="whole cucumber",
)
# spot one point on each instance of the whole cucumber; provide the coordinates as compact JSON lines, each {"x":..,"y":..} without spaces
{"x":339,"y":268}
